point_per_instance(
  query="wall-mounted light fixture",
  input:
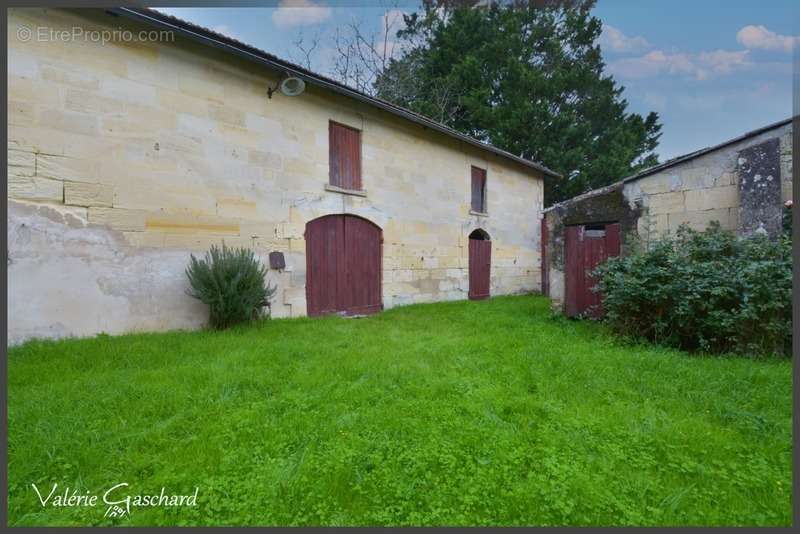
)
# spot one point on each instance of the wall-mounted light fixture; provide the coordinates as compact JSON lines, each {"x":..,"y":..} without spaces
{"x":289,"y":86}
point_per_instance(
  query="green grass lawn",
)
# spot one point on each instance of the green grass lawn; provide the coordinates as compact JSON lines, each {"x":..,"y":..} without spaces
{"x":484,"y":413}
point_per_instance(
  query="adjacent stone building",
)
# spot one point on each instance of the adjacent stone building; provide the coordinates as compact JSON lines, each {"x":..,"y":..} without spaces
{"x":742,"y":183}
{"x":128,"y":153}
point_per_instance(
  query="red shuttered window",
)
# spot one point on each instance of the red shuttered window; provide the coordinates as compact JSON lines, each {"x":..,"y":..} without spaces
{"x":478,"y":190}
{"x":345,"y":156}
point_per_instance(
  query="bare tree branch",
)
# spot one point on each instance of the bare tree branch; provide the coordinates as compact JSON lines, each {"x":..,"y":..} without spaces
{"x":361,"y":56}
{"x":306,"y":49}
{"x":362,"y":60}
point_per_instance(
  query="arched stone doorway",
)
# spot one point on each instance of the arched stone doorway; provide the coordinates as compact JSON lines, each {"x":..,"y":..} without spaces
{"x":343,"y":265}
{"x":480,"y":264}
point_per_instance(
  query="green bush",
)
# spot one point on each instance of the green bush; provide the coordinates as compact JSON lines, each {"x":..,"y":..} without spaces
{"x":709,"y":291}
{"x":233,"y":284}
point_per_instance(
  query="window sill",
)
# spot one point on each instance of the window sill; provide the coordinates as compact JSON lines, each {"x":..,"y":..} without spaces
{"x":478,"y":213}
{"x":354,"y":192}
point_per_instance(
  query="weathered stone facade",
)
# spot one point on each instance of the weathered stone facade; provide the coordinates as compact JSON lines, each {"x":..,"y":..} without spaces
{"x":742,"y":184}
{"x":125,"y":157}
{"x":706,"y":188}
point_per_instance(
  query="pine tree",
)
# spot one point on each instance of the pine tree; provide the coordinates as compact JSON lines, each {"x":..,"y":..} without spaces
{"x":527,"y":77}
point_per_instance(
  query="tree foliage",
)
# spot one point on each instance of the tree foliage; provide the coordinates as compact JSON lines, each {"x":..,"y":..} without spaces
{"x":527,"y":77}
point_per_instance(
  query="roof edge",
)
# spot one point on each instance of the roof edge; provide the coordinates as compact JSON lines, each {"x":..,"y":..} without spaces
{"x":697,"y":153}
{"x":588,"y":194}
{"x":211,"y":38}
{"x":669,"y":163}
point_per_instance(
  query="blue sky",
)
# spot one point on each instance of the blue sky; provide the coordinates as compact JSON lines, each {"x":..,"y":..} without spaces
{"x":711,"y":69}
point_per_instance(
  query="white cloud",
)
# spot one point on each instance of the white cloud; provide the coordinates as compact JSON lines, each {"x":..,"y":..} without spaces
{"x":699,"y":66}
{"x":613,"y":39}
{"x":300,"y":13}
{"x":722,"y":61}
{"x":759,"y":37}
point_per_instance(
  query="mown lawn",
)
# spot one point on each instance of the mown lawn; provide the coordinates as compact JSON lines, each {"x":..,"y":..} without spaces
{"x":484,"y":413}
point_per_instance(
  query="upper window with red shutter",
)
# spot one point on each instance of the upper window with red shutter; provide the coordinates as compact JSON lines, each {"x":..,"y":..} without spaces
{"x":478,"y":190}
{"x":345,"y":156}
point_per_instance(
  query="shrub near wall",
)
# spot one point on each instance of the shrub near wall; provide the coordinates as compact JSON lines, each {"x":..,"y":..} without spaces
{"x":232,"y":282}
{"x":709,"y":291}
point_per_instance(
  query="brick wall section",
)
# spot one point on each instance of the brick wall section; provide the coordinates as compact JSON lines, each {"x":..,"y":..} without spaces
{"x":126,"y":157}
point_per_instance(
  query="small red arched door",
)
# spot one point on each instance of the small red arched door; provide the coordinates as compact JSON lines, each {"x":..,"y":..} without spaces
{"x":343,"y":266}
{"x":480,"y":264}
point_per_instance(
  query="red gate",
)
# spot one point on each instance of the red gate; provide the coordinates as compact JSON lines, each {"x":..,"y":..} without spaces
{"x":586,"y":247}
{"x":343,"y":266}
{"x":480,"y":265}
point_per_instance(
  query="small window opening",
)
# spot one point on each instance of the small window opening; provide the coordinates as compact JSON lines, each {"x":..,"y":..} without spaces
{"x":595,"y":230}
{"x":478,"y":190}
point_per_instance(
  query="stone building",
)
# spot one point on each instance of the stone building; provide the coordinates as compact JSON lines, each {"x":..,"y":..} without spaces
{"x":135,"y":139}
{"x":742,"y":183}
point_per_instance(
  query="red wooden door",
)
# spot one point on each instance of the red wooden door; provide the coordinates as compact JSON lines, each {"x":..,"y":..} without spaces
{"x":362,"y":244}
{"x":480,"y":265}
{"x":586,"y":247}
{"x":324,"y":254}
{"x":343,"y":266}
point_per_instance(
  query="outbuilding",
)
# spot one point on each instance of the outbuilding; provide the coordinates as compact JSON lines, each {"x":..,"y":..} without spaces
{"x":742,"y":183}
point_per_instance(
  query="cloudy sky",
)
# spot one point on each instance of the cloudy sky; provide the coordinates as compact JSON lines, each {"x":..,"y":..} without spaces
{"x":712,"y":69}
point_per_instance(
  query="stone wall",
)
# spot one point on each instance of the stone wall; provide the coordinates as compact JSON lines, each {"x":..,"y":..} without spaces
{"x":706,"y":188}
{"x":125,"y":157}
{"x":742,"y":185}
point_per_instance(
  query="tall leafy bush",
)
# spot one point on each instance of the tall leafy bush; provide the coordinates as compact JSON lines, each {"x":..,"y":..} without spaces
{"x":710,"y":291}
{"x":233,"y":284}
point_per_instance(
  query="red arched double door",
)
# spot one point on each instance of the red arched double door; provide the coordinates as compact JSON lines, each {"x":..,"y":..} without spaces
{"x":343,"y":266}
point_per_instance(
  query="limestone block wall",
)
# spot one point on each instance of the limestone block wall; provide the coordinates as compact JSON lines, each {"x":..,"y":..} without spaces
{"x":706,"y":188}
{"x":125,"y":157}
